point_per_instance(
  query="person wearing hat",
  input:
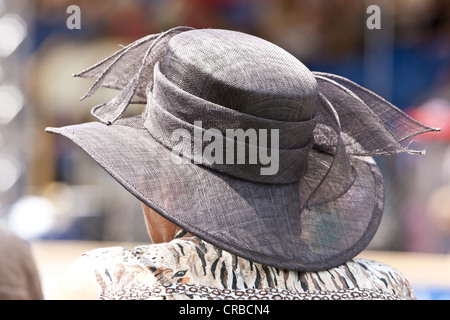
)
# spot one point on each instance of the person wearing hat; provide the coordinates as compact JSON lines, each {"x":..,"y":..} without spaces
{"x":255,"y":174}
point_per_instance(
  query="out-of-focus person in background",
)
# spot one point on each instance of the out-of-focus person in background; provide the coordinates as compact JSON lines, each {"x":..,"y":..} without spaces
{"x":19,"y":277}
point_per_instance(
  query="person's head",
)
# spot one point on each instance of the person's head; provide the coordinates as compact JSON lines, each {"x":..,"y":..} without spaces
{"x":160,"y":229}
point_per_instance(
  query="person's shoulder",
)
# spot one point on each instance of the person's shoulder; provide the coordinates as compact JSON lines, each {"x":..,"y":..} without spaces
{"x":374,"y":266}
{"x":84,"y":278}
{"x":383,"y":276}
{"x":106,"y":254}
{"x":78,"y":282}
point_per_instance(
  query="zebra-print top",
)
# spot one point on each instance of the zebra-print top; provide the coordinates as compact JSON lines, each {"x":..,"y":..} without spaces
{"x":190,"y":268}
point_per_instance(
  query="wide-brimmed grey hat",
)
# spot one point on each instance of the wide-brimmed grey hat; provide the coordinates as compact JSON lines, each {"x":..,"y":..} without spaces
{"x":301,"y":192}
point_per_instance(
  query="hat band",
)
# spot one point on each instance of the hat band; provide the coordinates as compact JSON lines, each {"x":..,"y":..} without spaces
{"x":226,"y":140}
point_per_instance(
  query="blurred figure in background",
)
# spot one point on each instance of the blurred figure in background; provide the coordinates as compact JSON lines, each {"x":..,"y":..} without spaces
{"x":19,"y":279}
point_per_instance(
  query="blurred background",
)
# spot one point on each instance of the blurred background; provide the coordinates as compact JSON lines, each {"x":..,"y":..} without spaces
{"x":55,"y":197}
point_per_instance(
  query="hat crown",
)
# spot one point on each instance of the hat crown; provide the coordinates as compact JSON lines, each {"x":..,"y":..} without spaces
{"x":241,"y":72}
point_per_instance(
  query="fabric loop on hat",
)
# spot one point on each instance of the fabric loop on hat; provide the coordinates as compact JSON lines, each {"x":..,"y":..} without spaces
{"x":113,"y":109}
{"x":331,"y":173}
{"x":370,"y":125}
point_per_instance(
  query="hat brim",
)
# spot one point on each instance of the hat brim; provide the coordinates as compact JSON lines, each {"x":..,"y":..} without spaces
{"x":264,"y":223}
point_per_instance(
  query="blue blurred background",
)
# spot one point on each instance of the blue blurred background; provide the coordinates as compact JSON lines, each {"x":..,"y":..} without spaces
{"x":50,"y":190}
